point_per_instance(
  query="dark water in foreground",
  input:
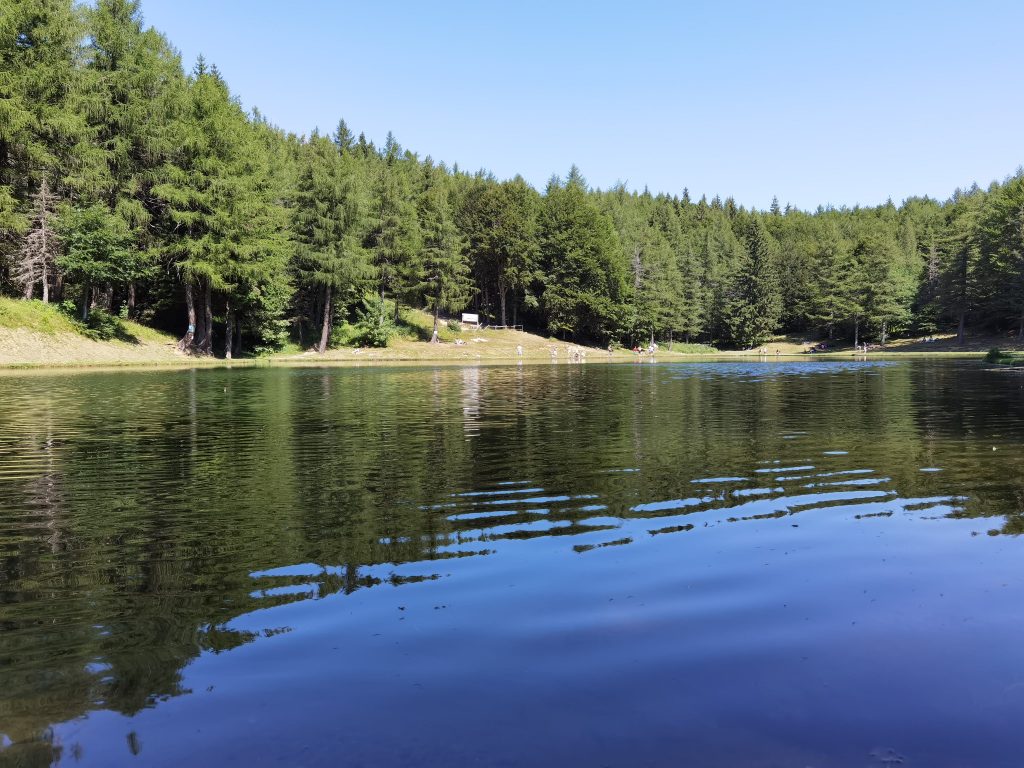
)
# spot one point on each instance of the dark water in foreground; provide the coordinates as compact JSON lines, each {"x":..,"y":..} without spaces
{"x":707,"y":565}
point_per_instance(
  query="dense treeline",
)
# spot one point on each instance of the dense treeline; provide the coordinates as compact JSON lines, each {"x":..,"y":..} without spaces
{"x":130,"y":187}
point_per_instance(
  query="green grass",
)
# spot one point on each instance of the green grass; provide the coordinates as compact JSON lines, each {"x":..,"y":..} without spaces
{"x":48,"y":319}
{"x":35,"y":316}
{"x":289,"y":348}
{"x":145,"y":333}
{"x":688,"y":349}
{"x":417,"y":325}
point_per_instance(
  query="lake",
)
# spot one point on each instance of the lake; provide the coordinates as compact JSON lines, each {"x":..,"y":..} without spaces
{"x":693,"y":564}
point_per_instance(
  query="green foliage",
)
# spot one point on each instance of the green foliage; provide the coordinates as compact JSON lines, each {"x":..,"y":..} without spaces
{"x":693,"y":349}
{"x":500,"y":225}
{"x":754,"y":296}
{"x":444,"y":278}
{"x":586,"y":284}
{"x":374,"y":324}
{"x":394,"y":236}
{"x":97,"y":247}
{"x":103,"y":326}
{"x":995,"y":355}
{"x":173,"y":194}
{"x":329,"y":220}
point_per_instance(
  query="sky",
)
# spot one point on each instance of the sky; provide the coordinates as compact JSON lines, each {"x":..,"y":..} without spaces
{"x":817,"y":103}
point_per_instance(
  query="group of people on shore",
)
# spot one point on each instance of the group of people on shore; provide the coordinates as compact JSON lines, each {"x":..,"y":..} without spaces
{"x":650,"y":349}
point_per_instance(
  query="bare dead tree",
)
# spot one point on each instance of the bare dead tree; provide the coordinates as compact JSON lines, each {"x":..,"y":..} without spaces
{"x":36,"y":260}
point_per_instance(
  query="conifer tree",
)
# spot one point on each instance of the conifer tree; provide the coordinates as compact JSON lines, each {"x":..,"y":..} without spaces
{"x":959,"y":290}
{"x":329,"y":225}
{"x":41,"y":133}
{"x":132,"y":88}
{"x":887,"y":295}
{"x":754,"y":303}
{"x":96,"y":250}
{"x":723,"y":255}
{"x":394,"y":235}
{"x":444,"y":272}
{"x":586,"y":281}
{"x":37,"y":257}
{"x":836,"y":288}
{"x":225,"y":227}
{"x":514,"y":244}
{"x":343,"y":138}
{"x":1001,"y":240}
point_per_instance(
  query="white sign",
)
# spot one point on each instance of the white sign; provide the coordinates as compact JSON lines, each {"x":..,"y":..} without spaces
{"x":468,"y":318}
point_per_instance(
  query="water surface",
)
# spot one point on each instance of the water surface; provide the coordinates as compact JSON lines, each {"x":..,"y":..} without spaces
{"x":721,"y":564}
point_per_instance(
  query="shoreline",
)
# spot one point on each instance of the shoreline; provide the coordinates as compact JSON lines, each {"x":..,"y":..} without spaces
{"x":37,"y":337}
{"x":397,"y":359}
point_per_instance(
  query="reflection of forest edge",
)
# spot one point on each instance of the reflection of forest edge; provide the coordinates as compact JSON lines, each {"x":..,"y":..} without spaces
{"x":141,"y":514}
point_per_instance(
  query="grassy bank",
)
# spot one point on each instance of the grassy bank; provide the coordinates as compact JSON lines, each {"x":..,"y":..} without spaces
{"x":33,"y":334}
{"x":37,"y":335}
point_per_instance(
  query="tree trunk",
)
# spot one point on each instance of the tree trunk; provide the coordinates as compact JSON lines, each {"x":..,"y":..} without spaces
{"x":46,"y":285}
{"x":885,"y":331}
{"x":961,"y":327}
{"x":503,"y":294}
{"x":131,"y":299}
{"x":29,"y":287}
{"x":325,"y":332}
{"x":86,"y":298}
{"x":186,"y":341}
{"x":229,"y":328}
{"x":200,"y":329}
{"x":856,"y":333}
{"x":437,"y":301}
{"x":58,"y":286}
{"x":208,"y":313}
{"x":1020,"y":327}
{"x":380,"y":324}
{"x":238,"y":337}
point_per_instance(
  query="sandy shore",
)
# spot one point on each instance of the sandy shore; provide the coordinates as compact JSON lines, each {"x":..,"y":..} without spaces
{"x":23,"y":348}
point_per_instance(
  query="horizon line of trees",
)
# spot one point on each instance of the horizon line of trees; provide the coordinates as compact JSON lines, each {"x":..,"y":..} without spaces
{"x":130,"y":187}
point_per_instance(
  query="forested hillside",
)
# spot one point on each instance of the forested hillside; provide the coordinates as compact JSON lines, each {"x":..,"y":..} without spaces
{"x":130,"y":187}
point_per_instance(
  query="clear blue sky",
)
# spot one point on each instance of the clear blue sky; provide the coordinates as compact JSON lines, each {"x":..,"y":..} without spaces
{"x":816,"y":102}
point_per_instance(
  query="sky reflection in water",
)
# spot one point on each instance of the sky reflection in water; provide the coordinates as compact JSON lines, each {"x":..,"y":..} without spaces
{"x":687,"y":564}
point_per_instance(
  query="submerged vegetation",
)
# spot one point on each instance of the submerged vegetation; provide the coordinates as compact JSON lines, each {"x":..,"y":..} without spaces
{"x":996,"y":355}
{"x":130,"y":189}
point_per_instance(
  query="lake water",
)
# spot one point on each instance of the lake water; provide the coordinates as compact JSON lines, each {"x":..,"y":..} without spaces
{"x":722,"y":564}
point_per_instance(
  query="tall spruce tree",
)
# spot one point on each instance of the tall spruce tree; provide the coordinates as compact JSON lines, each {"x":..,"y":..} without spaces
{"x":329,"y":226}
{"x":1001,"y":240}
{"x":754,"y":303}
{"x":445,"y":282}
{"x":586,"y":283}
{"x":132,"y":89}
{"x":394,"y":234}
{"x":225,"y":227}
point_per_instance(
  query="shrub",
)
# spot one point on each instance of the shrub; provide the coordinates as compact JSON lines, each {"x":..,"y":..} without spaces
{"x":103,"y":326}
{"x":454,"y":326}
{"x":375,"y":334}
{"x":994,"y":355}
{"x":374,"y":328}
